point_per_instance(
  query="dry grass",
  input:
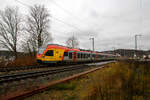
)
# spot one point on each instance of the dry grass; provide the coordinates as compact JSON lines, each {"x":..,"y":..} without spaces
{"x":121,"y":81}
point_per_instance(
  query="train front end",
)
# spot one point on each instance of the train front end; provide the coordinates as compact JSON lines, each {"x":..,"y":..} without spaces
{"x":50,"y":54}
{"x":40,"y":55}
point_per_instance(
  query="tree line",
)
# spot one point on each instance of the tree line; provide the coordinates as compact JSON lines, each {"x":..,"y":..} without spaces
{"x":27,"y":32}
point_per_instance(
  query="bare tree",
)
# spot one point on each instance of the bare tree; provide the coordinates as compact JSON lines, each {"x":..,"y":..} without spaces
{"x":72,"y":42}
{"x":37,"y":27}
{"x":10,"y":28}
{"x":30,"y":46}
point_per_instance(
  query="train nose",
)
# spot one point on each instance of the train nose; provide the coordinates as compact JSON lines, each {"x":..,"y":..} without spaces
{"x":39,"y":56}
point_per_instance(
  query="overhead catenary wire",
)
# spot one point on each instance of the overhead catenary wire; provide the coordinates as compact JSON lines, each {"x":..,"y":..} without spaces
{"x":57,"y":19}
{"x":66,"y":11}
{"x":23,"y":3}
{"x":69,"y":13}
{"x":70,"y":25}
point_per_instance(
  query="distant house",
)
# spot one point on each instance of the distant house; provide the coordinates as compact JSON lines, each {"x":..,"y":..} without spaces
{"x":6,"y":55}
{"x":129,"y":52}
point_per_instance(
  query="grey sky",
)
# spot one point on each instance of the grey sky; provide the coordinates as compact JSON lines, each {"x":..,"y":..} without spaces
{"x":113,"y":23}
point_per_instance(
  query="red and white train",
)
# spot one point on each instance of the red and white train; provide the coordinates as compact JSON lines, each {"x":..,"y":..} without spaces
{"x":55,"y":53}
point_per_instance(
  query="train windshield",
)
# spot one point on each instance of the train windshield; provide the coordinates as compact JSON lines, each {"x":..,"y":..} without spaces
{"x":41,"y":50}
{"x":49,"y":53}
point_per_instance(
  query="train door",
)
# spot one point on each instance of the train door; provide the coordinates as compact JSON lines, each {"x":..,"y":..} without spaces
{"x":66,"y":57}
{"x":74,"y":56}
{"x":70,"y":56}
{"x":57,"y":54}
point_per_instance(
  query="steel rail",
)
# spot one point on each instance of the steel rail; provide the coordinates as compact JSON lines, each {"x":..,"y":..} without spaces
{"x":24,"y":75}
{"x":9,"y":69}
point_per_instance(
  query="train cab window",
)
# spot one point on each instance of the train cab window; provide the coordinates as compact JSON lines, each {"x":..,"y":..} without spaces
{"x":49,"y":53}
{"x":70,"y":55}
{"x":65,"y":53}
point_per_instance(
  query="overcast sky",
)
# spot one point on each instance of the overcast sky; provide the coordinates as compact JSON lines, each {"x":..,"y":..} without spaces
{"x":113,"y":23}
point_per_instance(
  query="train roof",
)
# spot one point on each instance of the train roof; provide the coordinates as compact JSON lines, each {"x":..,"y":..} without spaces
{"x":57,"y":46}
{"x":76,"y":49}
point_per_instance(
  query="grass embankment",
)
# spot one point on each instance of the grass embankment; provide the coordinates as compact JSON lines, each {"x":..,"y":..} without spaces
{"x":120,"y":81}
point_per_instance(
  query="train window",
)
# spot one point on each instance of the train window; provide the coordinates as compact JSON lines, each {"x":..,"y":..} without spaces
{"x":86,"y":55}
{"x":49,"y":53}
{"x":99,"y":56}
{"x":65,"y":53}
{"x":81,"y":55}
{"x":70,"y":55}
{"x":78,"y":55}
{"x":89,"y":55}
{"x":93,"y":55}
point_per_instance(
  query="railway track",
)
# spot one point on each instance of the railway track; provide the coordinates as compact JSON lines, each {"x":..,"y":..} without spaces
{"x":25,"y":75}
{"x":28,"y":75}
{"x":22,"y":68}
{"x":8,"y":69}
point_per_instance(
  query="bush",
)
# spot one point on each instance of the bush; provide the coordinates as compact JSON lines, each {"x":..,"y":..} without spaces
{"x":122,"y":81}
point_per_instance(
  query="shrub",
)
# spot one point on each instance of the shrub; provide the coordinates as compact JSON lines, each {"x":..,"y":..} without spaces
{"x":121,"y":81}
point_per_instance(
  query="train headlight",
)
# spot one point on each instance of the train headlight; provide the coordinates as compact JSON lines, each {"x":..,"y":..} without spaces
{"x":43,"y":56}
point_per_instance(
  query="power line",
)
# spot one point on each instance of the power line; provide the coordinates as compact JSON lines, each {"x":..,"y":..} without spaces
{"x":53,"y":17}
{"x":23,"y":3}
{"x":67,"y":24}
{"x":65,"y":10}
{"x":59,"y":31}
{"x":68,"y":12}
